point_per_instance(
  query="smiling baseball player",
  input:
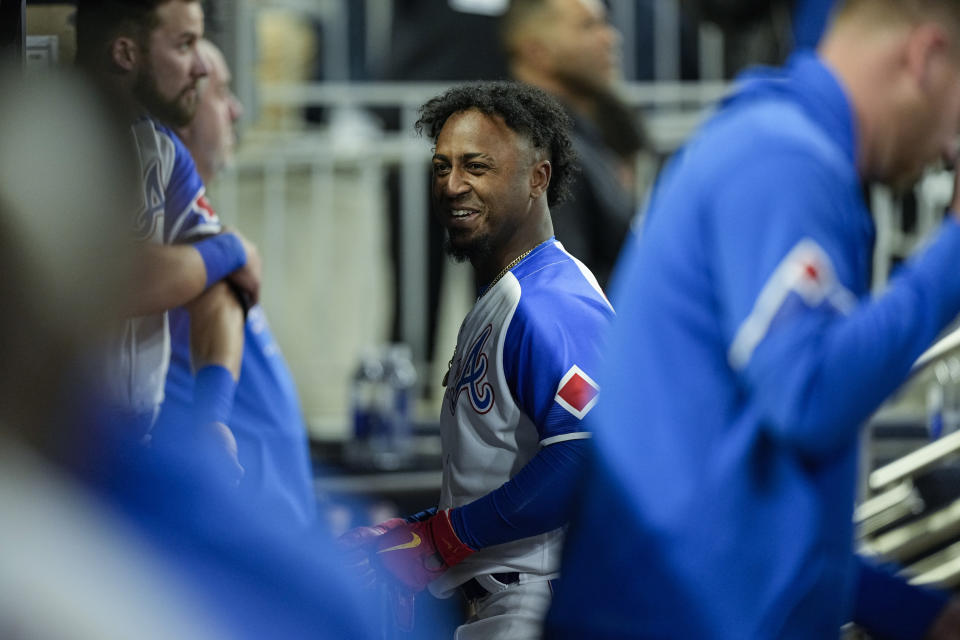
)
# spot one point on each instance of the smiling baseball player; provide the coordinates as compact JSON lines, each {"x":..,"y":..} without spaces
{"x":519,"y":384}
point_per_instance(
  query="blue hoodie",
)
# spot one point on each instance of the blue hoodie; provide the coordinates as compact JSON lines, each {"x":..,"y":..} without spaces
{"x":743,"y":361}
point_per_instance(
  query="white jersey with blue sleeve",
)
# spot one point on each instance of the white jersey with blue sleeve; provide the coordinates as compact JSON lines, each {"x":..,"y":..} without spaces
{"x":173,"y":209}
{"x":521,"y":379}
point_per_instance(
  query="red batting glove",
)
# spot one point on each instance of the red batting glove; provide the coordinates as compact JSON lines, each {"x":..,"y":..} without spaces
{"x":416,"y":553}
{"x":356,"y":546}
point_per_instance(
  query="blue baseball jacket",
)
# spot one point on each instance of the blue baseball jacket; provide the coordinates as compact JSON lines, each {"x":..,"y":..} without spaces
{"x":744,"y":359}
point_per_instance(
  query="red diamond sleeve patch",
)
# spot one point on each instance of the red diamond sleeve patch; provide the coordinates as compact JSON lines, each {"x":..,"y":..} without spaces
{"x":577,"y":392}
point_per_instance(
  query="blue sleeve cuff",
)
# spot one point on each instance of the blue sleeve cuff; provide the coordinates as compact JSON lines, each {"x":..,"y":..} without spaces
{"x":213,"y":394}
{"x":422,"y":516}
{"x":222,"y":255}
{"x":888,"y":607}
{"x":536,"y":500}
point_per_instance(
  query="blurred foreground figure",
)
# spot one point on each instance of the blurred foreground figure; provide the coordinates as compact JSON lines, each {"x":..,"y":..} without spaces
{"x":747,"y":354}
{"x":265,"y":419}
{"x":103,"y":538}
{"x":68,"y":568}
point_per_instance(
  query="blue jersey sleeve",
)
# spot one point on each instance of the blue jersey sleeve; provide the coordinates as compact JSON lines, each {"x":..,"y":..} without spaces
{"x":797,"y":330}
{"x":550,"y":353}
{"x":536,"y":500}
{"x":187,"y":213}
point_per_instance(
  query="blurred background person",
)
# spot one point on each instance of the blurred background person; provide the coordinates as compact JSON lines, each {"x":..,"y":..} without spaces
{"x":265,"y":419}
{"x":211,"y":136}
{"x":569,"y":48}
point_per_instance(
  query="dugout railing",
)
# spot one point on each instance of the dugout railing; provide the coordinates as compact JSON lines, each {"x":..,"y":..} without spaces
{"x":294,"y":180}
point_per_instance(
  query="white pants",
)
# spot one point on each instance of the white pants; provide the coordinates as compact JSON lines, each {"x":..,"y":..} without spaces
{"x":515,"y":613}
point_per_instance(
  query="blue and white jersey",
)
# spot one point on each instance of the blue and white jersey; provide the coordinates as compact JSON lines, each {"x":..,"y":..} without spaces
{"x":522,"y":378}
{"x":173,"y":209}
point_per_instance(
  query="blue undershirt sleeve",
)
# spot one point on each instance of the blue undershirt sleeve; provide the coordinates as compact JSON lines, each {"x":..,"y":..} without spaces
{"x":213,"y":395}
{"x":887,"y":606}
{"x":534,"y":501}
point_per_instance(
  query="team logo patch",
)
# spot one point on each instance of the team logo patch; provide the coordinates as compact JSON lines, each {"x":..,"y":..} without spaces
{"x":204,"y":209}
{"x":577,"y":392}
{"x":472,"y":377}
{"x":807,"y":273}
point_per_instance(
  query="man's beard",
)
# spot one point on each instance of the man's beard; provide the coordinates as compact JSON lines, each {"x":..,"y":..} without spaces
{"x":175,"y":112}
{"x":479,"y":248}
{"x":593,"y":87}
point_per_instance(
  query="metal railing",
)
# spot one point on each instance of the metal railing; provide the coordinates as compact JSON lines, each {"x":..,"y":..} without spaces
{"x":352,"y":145}
{"x":673,"y":110}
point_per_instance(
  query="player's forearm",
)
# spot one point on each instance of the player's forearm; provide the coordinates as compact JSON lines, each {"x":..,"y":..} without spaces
{"x":172,"y":275}
{"x":812,"y":407}
{"x":168,"y":276}
{"x":535,"y":501}
{"x":217,"y":329}
{"x":418,"y":550}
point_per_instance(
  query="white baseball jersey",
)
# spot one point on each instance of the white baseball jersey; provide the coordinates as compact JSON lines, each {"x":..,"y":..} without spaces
{"x":521,"y":379}
{"x":174,"y":209}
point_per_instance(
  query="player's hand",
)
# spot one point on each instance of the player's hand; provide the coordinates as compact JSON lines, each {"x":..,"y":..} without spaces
{"x":946,"y":626}
{"x":417,"y":553}
{"x":247,"y":278}
{"x":357,"y":545}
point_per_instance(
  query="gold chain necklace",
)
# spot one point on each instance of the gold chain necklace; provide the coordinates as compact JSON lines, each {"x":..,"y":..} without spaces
{"x":502,"y":273}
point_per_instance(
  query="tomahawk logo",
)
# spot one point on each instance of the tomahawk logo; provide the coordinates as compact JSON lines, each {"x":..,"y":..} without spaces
{"x":150,"y":217}
{"x":577,"y":392}
{"x":472,"y":377}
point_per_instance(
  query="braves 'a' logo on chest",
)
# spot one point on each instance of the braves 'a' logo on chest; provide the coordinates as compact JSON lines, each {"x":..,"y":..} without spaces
{"x":472,"y":377}
{"x":151,"y":216}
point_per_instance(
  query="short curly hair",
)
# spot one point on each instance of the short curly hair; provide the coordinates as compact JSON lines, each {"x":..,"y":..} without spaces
{"x":527,"y":110}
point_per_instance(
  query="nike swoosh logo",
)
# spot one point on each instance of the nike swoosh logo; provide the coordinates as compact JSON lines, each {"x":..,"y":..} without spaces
{"x":414,"y":542}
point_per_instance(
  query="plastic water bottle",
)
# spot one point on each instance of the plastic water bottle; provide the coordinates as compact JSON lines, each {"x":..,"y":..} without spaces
{"x":365,"y":389}
{"x":390,"y":435}
{"x":401,"y":376}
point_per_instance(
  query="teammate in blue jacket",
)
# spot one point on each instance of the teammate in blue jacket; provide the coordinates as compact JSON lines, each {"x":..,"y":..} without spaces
{"x":266,"y":419}
{"x":521,"y":378}
{"x":747,"y":353}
